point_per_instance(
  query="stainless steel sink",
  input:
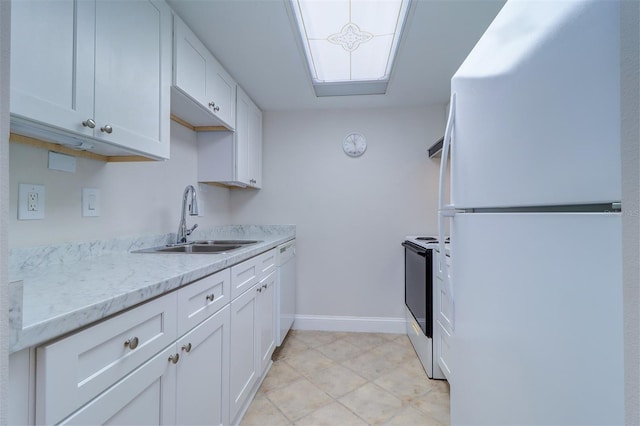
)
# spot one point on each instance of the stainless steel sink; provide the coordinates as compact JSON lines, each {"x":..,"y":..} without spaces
{"x":225,"y":242}
{"x":206,"y":246}
{"x":198,"y":248}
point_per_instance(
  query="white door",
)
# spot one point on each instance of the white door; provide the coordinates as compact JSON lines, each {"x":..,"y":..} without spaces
{"x":267,"y":319}
{"x":221,"y":90}
{"x":203,"y":373}
{"x":537,"y":333}
{"x":537,"y":112}
{"x":243,"y":110}
{"x":244,"y":349}
{"x":52,"y":54}
{"x":133,"y":74}
{"x":255,"y":146}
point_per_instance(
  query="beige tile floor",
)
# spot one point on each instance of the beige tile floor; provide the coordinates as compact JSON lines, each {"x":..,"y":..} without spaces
{"x":326,"y":378}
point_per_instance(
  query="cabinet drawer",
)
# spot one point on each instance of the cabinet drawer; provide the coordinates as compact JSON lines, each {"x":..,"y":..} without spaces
{"x":266,"y":263}
{"x":200,"y":299}
{"x":444,"y":350}
{"x":249,"y":272}
{"x":75,"y":369}
{"x":243,"y":276}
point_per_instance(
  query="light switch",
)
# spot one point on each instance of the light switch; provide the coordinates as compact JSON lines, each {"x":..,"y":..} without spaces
{"x":90,"y":202}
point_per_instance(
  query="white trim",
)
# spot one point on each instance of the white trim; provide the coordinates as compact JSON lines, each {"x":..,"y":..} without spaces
{"x":355,"y":324}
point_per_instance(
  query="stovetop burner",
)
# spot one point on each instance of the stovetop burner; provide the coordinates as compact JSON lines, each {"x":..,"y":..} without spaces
{"x":431,"y":239}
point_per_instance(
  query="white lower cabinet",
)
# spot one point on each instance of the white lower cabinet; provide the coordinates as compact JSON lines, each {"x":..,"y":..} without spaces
{"x":253,"y":340}
{"x":202,"y":376}
{"x":72,"y":371}
{"x":145,"y":397}
{"x":267,"y":319}
{"x":167,"y":361}
{"x":244,"y":348}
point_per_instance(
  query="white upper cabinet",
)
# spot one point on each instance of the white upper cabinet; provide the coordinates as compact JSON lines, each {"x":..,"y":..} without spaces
{"x":203,"y":92}
{"x":93,"y":74}
{"x":234,"y":159}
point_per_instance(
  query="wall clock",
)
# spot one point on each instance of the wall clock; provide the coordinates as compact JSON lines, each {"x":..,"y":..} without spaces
{"x":354,"y":144}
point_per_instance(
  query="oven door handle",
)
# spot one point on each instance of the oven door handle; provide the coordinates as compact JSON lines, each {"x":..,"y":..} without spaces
{"x":418,"y":250}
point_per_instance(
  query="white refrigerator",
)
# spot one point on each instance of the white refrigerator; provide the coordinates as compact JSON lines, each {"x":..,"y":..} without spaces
{"x":535,"y":285}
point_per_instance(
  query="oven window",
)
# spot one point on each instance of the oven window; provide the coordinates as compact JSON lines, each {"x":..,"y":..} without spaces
{"x":418,"y":286}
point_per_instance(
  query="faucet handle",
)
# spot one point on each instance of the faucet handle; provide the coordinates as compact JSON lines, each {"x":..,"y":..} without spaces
{"x":189,"y":231}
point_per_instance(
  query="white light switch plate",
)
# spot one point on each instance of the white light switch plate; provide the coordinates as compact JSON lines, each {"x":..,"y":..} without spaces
{"x":90,"y":202}
{"x":30,"y":201}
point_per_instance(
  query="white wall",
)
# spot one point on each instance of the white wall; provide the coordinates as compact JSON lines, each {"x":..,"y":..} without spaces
{"x":5,"y":25}
{"x":351,"y":213}
{"x":630,"y":94}
{"x":140,"y":198}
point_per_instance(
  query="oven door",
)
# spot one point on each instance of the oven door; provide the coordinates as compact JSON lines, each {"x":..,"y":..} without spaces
{"x":418,"y":294}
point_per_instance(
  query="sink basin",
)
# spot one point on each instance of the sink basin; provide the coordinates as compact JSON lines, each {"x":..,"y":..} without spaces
{"x":205,"y":246}
{"x":198,"y":248}
{"x":225,"y":242}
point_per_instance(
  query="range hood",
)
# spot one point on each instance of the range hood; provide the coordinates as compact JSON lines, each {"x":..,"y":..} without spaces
{"x":436,"y":149}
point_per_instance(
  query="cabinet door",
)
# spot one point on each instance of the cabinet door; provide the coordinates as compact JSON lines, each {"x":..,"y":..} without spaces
{"x":145,"y":397}
{"x":243,"y":108}
{"x":199,"y":76}
{"x":133,"y":74}
{"x":203,"y":373}
{"x":221,"y":92}
{"x":191,"y":57}
{"x":255,"y":147}
{"x":244,"y":349}
{"x":52,"y":66}
{"x":266,"y":324}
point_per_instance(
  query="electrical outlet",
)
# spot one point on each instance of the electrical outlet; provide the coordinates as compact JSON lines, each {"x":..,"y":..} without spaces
{"x":30,"y":201}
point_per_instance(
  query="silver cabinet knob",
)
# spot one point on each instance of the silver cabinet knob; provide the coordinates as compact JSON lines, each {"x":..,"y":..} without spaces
{"x":89,"y":122}
{"x":259,"y":289}
{"x":264,"y":286}
{"x":187,"y":347}
{"x":132,"y":343}
{"x":252,"y":181}
{"x":210,"y":297}
{"x":106,"y":129}
{"x":174,"y":358}
{"x":214,"y":106}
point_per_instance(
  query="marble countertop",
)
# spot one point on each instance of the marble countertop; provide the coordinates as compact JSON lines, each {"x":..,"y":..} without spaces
{"x":69,"y":286}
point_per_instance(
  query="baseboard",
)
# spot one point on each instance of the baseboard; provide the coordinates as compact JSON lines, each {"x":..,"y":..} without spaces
{"x":354,"y":324}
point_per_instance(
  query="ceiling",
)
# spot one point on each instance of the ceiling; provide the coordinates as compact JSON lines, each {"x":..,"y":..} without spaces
{"x":255,"y":40}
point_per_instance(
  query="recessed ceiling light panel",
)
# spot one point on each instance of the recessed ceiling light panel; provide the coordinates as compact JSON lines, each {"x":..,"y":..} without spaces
{"x":350,"y":45}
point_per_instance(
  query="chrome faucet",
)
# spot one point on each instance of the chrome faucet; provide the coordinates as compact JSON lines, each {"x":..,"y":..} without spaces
{"x":183,"y":232}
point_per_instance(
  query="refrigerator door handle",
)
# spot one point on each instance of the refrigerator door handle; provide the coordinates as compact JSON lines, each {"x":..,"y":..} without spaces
{"x":446,"y":211}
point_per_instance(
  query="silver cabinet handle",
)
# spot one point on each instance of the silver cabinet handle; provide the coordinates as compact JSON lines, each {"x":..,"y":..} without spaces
{"x":210,"y":297}
{"x":187,"y":347}
{"x":216,"y":109}
{"x":264,"y":286}
{"x":89,"y":122}
{"x":174,"y":358}
{"x":132,"y":343}
{"x":106,"y":129}
{"x":259,"y":289}
{"x":252,"y":181}
{"x":214,"y":106}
